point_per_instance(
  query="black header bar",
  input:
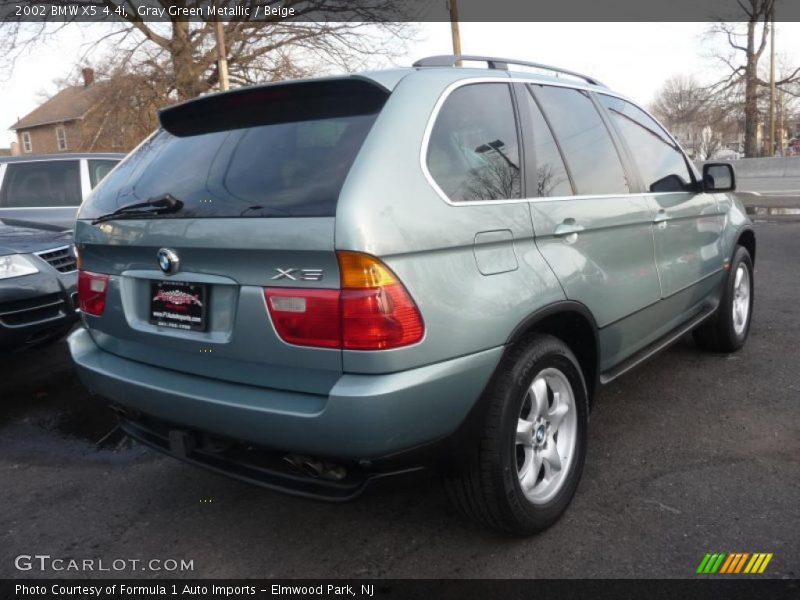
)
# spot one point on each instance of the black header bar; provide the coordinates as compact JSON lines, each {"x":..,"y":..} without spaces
{"x":87,"y":11}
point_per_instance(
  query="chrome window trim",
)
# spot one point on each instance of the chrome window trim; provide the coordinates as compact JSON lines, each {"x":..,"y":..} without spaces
{"x":509,"y":80}
{"x":590,"y":197}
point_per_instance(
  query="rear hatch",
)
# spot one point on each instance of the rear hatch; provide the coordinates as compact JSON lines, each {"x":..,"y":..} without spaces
{"x":236,"y":192}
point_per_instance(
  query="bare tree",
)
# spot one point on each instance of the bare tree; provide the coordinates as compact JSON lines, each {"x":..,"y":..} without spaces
{"x":786,"y":103}
{"x":680,"y":99}
{"x":497,"y":177}
{"x":256,"y":50}
{"x":745,"y":47}
{"x":679,"y":104}
{"x":702,"y":120}
{"x":711,"y":142}
{"x":125,"y":108}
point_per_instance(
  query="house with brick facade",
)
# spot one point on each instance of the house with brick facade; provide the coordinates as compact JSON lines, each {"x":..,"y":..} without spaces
{"x":58,"y":124}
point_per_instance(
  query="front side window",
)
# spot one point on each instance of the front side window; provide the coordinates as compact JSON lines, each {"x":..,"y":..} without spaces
{"x":586,"y":143}
{"x":473,"y":152}
{"x":660,"y":161}
{"x":61,"y":138}
{"x":41,"y":183}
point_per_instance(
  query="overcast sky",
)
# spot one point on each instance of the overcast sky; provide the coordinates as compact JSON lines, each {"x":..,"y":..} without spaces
{"x":632,"y":58}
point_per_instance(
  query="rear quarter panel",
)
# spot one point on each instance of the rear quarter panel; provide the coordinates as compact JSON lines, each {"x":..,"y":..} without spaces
{"x":389,"y":209}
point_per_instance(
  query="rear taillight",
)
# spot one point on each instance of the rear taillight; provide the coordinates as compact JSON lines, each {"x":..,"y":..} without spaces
{"x":306,"y":317}
{"x":371,"y":311}
{"x":92,"y":290}
{"x":377,"y":311}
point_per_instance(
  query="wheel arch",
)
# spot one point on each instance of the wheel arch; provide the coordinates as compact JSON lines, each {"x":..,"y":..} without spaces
{"x":572,"y":323}
{"x":567,"y":320}
{"x":747,"y":238}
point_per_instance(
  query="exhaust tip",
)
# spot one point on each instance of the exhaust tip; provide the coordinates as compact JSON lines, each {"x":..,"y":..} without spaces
{"x":318,"y":469}
{"x":292,"y":462}
{"x":312,"y":467}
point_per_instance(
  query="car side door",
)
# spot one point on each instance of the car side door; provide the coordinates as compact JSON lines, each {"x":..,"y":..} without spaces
{"x":43,"y":191}
{"x":592,"y":227}
{"x":689,"y":224}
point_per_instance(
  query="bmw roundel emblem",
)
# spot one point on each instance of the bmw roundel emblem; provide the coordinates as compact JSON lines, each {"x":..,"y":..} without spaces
{"x":168,"y":261}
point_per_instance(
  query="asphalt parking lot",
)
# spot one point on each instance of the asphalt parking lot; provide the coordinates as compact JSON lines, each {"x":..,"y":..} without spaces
{"x":691,"y":453}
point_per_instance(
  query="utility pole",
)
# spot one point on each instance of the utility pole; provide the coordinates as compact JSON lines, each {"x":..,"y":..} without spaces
{"x":781,"y":125}
{"x":452,"y":6}
{"x":222,"y":55}
{"x":772,"y":146}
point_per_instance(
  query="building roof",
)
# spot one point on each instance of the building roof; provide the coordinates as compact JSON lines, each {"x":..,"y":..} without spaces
{"x":69,"y":104}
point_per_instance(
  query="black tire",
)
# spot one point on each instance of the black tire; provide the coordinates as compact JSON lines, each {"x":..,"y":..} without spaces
{"x":487,"y":487}
{"x":718,"y":333}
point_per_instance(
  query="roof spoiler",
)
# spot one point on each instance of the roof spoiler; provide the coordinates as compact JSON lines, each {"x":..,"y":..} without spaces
{"x":274,"y":103}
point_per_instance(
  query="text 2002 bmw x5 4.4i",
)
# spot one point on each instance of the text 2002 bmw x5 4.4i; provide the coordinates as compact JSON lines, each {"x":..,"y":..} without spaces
{"x":313,"y":284}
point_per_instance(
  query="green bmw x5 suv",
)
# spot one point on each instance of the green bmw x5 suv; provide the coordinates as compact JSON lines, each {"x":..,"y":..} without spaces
{"x":315,"y":284}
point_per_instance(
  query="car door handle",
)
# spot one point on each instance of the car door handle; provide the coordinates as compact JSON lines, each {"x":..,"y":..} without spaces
{"x":568,"y":227}
{"x":661,"y":216}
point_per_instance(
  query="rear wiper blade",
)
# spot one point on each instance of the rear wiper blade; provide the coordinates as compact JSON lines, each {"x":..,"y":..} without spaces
{"x":154,"y":206}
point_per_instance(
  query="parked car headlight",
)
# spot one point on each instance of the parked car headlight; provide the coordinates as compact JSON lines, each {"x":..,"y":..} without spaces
{"x":16,"y":265}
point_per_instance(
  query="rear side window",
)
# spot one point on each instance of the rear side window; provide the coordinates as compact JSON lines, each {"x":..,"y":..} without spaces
{"x":551,"y":174}
{"x":473,"y":152}
{"x":280,"y":151}
{"x":98,"y":169}
{"x":660,"y":161}
{"x":41,"y":183}
{"x":587,"y":146}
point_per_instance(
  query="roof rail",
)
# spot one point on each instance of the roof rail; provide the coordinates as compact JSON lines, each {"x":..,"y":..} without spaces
{"x":451,"y":60}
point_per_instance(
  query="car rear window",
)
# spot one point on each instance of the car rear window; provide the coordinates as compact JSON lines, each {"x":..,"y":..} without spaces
{"x":473,"y":153}
{"x":41,"y":183}
{"x":275,"y":151}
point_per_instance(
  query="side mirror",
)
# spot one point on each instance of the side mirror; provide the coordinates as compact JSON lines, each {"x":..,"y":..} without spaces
{"x":670,"y":183}
{"x":719,"y":177}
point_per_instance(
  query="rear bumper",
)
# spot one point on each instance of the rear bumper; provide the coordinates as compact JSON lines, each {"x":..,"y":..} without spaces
{"x":268,"y":469}
{"x":363,"y":416}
